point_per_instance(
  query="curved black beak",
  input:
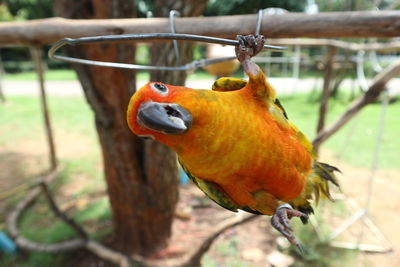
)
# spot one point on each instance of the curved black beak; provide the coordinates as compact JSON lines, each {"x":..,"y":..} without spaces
{"x":168,"y":118}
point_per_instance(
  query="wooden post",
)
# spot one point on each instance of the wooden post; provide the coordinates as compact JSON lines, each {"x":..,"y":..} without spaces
{"x":2,"y":97}
{"x":36,"y":52}
{"x":329,"y":74}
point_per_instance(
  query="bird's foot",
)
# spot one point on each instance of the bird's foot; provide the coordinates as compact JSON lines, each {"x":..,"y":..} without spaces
{"x":280,"y":221}
{"x":249,"y":46}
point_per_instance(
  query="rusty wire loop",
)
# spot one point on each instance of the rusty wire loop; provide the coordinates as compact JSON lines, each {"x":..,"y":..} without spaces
{"x":172,"y":15}
{"x":145,"y":36}
{"x":260,"y":16}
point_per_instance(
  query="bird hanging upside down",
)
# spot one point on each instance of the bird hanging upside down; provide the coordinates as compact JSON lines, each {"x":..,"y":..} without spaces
{"x":236,"y":143}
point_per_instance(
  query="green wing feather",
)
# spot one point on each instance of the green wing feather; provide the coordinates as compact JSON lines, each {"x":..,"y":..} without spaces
{"x":226,"y":84}
{"x":214,"y":192}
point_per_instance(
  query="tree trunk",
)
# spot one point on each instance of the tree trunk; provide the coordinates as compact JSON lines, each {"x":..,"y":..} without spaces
{"x":141,"y":177}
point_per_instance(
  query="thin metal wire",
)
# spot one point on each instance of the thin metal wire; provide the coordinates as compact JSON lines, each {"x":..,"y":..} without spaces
{"x":172,"y":14}
{"x":145,"y":36}
{"x":260,"y":17}
{"x":362,"y":81}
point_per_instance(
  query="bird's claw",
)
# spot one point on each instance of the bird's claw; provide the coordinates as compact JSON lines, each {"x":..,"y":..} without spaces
{"x":249,"y":46}
{"x":280,"y":221}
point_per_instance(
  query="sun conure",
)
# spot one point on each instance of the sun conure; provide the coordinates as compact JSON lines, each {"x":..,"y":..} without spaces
{"x":235,"y":142}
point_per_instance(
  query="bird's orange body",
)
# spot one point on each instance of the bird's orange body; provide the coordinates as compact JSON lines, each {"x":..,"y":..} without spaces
{"x":237,"y":143}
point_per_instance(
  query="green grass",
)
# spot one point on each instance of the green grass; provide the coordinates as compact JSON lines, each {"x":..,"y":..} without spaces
{"x":70,"y":75}
{"x":21,"y":118}
{"x":50,"y":75}
{"x":34,"y":259}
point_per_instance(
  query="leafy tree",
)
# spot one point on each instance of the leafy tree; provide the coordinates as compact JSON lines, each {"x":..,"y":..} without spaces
{"x":233,"y":7}
{"x":18,"y":58}
{"x":6,"y":15}
{"x":34,"y":9}
{"x":352,"y":5}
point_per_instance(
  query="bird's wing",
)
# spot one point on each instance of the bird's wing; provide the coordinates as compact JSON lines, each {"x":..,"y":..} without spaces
{"x":226,"y":84}
{"x":215,"y":193}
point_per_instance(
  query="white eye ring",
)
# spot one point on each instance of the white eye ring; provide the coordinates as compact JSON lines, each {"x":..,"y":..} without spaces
{"x":159,"y":88}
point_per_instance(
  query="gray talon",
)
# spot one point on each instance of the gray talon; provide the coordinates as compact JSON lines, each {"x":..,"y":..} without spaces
{"x":280,"y":221}
{"x":249,"y":46}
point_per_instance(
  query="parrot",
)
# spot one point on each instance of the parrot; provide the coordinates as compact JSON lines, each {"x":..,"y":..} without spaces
{"x":236,"y":143}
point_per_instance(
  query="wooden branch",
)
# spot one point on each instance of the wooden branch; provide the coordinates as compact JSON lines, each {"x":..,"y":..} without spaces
{"x":12,"y":223}
{"x":327,"y":24}
{"x":108,"y":254}
{"x":71,"y":222}
{"x":95,"y":247}
{"x":377,"y":87}
{"x":12,"y":219}
{"x":65,"y":246}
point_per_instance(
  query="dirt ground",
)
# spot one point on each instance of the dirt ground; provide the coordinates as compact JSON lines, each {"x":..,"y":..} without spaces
{"x":383,"y":209}
{"x":28,"y":159}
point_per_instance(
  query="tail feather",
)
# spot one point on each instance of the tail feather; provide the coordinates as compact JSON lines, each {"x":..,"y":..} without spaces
{"x":317,"y":187}
{"x":323,"y":173}
{"x":326,"y":172}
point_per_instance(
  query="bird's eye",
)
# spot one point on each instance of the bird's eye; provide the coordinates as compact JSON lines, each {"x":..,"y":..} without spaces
{"x":159,"y":88}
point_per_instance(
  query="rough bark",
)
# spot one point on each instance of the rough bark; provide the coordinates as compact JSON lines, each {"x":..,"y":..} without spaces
{"x":142,"y":202}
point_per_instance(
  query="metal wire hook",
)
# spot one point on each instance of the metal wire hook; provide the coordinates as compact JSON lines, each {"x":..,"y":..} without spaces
{"x":260,"y":16}
{"x":146,"y":36}
{"x":172,"y":15}
{"x":362,"y":81}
